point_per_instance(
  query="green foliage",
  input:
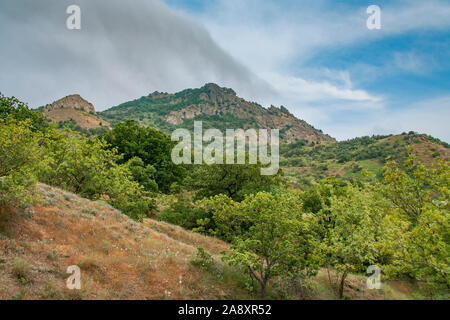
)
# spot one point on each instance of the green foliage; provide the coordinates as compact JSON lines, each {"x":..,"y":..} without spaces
{"x":86,"y":167}
{"x":12,"y":108}
{"x":418,"y":229}
{"x":144,"y":175}
{"x":236,"y":181}
{"x":352,"y":235}
{"x":152,"y":146}
{"x":401,"y":223}
{"x":270,"y":236}
{"x":203,"y":260}
{"x":316,"y":198}
{"x":184,"y":214}
{"x":19,"y":156}
{"x":375,"y":147}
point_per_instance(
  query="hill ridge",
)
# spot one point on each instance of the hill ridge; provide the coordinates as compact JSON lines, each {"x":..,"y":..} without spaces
{"x":218,"y":107}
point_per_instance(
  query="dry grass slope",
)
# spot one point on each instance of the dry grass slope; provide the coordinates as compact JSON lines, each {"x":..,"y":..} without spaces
{"x":119,"y":258}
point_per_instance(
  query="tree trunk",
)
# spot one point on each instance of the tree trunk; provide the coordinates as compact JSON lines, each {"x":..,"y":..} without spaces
{"x":342,"y":283}
{"x":263,"y":289}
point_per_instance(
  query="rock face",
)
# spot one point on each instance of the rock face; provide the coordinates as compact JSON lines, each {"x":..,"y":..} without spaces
{"x":218,"y":108}
{"x":75,"y":108}
{"x":217,"y":101}
{"x":73,"y":101}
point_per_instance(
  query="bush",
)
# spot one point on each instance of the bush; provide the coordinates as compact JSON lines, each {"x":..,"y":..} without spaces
{"x":236,"y":181}
{"x":203,"y":260}
{"x":19,"y":157}
{"x":21,"y":270}
{"x":417,"y":231}
{"x":13,"y":109}
{"x":144,"y":175}
{"x":184,"y":214}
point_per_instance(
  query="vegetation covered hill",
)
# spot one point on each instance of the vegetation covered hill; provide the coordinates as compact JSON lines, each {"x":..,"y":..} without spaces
{"x":217,"y":107}
{"x":304,"y":163}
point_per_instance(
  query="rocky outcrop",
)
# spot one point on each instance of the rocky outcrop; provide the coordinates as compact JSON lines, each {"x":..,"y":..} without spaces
{"x":217,"y":101}
{"x":73,"y":101}
{"x":75,"y":108}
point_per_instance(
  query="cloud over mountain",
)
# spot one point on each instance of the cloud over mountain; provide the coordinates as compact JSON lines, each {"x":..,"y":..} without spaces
{"x":124,"y":49}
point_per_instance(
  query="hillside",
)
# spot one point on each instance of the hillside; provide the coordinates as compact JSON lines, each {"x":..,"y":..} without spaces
{"x":303,"y":163}
{"x":122,"y":259}
{"x":218,"y":108}
{"x":74,"y":111}
{"x":119,"y":258}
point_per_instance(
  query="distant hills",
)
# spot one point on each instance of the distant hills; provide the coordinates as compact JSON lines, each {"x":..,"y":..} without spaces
{"x":305,"y":164}
{"x":216,"y":107}
{"x":307,"y":153}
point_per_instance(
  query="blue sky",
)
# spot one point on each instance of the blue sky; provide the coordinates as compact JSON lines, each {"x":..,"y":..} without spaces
{"x":389,"y":80}
{"x":316,"y":58}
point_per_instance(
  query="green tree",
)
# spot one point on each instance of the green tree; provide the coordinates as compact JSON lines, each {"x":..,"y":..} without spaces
{"x":351,"y":242}
{"x":270,"y":236}
{"x":19,"y":156}
{"x":418,"y":230}
{"x":150,"y":145}
{"x":143,"y":174}
{"x":236,"y":181}
{"x":87,"y":167}
{"x":12,"y":108}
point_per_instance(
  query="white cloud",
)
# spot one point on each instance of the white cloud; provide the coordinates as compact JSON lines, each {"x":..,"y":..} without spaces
{"x":304,"y":91}
{"x":276,"y":40}
{"x":267,"y":35}
{"x":428,"y":116}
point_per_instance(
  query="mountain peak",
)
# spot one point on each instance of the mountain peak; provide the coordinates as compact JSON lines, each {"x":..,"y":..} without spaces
{"x":74,"y":108}
{"x":73,"y":101}
{"x":217,"y":107}
{"x":215,"y":90}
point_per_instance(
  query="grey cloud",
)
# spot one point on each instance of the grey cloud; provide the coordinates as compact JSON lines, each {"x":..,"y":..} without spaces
{"x":124,"y":50}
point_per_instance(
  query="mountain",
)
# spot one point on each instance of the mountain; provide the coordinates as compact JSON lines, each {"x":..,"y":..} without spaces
{"x":216,"y":107}
{"x":74,"y":111}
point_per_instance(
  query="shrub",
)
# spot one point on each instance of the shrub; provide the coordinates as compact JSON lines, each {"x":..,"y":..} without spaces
{"x":184,"y":214}
{"x":203,"y":260}
{"x":21,"y":270}
{"x":19,"y":157}
{"x":417,"y":231}
{"x":13,"y":109}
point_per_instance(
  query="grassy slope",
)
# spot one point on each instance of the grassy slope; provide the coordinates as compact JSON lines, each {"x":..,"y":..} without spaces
{"x":121,"y":259}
